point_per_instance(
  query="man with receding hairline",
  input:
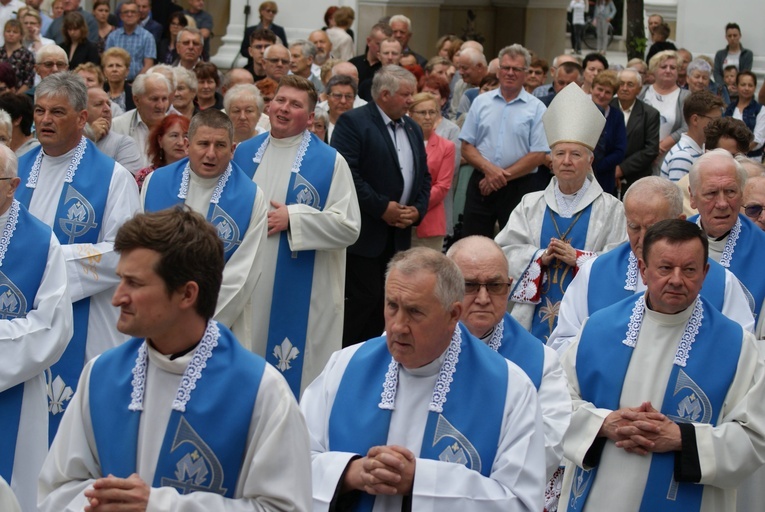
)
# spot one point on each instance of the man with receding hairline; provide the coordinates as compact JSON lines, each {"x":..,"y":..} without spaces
{"x":84,"y":196}
{"x":425,"y":417}
{"x":368,"y":63}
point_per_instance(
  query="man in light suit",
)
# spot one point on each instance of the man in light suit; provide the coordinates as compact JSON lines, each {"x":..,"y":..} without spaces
{"x":642,"y":123}
{"x":386,"y":153}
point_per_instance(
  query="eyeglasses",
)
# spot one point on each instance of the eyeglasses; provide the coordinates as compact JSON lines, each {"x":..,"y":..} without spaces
{"x":753,"y":211}
{"x":536,"y":72}
{"x":338,"y":96}
{"x":425,"y":113}
{"x":709,"y":117}
{"x":496,"y":288}
{"x":277,"y":60}
{"x":271,"y":11}
{"x":50,"y":64}
{"x":514,"y":69}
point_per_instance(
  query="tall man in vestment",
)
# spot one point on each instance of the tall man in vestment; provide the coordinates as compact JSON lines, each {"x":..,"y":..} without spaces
{"x":484,"y":313}
{"x":552,"y":233}
{"x":613,"y":276}
{"x":427,"y":416}
{"x":84,"y":196}
{"x":668,"y":410}
{"x":297,"y":305}
{"x":35,"y":326}
{"x":181,"y":417}
{"x":717,"y":187}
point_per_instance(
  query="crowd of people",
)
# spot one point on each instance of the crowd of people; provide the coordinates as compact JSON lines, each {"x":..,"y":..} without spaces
{"x":390,"y":281}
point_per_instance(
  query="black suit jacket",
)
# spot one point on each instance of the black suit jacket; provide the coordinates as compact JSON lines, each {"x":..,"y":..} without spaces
{"x":85,"y":52}
{"x":642,"y":141}
{"x":365,"y":142}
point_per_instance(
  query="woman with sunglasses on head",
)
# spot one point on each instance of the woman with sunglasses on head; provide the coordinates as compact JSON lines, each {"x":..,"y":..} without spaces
{"x":167,"y":53}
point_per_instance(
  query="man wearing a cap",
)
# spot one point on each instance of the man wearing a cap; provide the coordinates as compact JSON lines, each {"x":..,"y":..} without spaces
{"x":552,"y":233}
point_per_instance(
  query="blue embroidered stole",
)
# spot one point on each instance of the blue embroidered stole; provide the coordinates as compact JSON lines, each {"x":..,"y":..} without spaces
{"x":520,"y":347}
{"x":741,"y":261}
{"x":230,"y":214}
{"x":695,"y":392}
{"x":608,"y":277}
{"x":78,"y":221}
{"x":205,"y":443}
{"x":310,"y":180}
{"x":558,"y":274}
{"x":456,"y":434}
{"x":22,"y":265}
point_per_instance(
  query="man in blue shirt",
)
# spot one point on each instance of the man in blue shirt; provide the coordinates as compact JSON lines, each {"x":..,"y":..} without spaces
{"x":138,"y":41}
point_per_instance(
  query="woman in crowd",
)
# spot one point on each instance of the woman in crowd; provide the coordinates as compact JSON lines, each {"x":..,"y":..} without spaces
{"x":605,"y":10}
{"x":748,"y":110}
{"x":101,"y":11}
{"x":243,"y":105}
{"x":167,"y":53}
{"x":32,"y":22}
{"x":592,"y":64}
{"x":186,"y":86}
{"x":699,"y":79}
{"x":209,"y":81}
{"x":342,"y":41}
{"x":440,"y":152}
{"x":167,"y":145}
{"x":445,"y":43}
{"x":320,"y":124}
{"x":21,"y":59}
{"x":665,"y":96}
{"x":76,"y":44}
{"x":613,"y":140}
{"x":116,"y":64}
{"x":577,"y":8}
{"x":268,"y":11}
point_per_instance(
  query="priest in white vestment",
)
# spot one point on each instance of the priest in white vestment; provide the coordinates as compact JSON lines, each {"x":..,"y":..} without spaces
{"x":550,"y":234}
{"x":426,"y":416}
{"x":298,"y":303}
{"x":615,"y":273}
{"x":717,"y":187}
{"x":84,"y":196}
{"x":35,"y":326}
{"x":668,"y":410}
{"x":181,"y":417}
{"x":211,"y":185}
{"x":484,"y":313}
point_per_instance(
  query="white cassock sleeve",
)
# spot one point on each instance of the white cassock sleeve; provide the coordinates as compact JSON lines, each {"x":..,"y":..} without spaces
{"x":336,"y":226}
{"x":91,"y":267}
{"x":516,"y":482}
{"x":555,"y":404}
{"x":243,"y":269}
{"x":275,"y":474}
{"x":8,"y":501}
{"x":32,"y":344}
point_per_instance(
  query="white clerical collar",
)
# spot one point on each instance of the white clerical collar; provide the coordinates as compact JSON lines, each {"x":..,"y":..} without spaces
{"x":196,"y":361}
{"x":691,"y":316}
{"x":448,"y":365}
{"x":567,"y":203}
{"x":288,"y":141}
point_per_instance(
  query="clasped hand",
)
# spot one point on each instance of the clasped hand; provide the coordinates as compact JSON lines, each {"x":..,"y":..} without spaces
{"x":384,"y":470}
{"x":641,"y":430}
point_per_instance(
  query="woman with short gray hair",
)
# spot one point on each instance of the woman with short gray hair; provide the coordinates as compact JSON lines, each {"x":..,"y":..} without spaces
{"x":244,"y":105}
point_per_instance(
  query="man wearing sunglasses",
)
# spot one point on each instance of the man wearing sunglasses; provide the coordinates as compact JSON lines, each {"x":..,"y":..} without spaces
{"x":484,"y":313}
